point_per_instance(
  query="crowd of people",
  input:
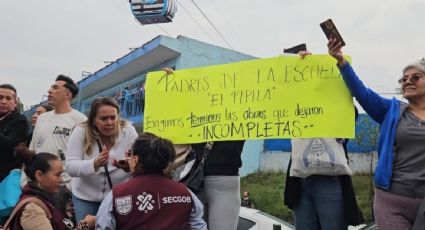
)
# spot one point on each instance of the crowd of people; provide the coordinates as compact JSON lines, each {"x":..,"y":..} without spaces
{"x":131,"y":99}
{"x":97,"y":172}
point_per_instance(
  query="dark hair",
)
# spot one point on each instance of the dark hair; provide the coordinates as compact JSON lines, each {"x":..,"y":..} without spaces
{"x":34,"y":162}
{"x":69,"y":84}
{"x":21,"y":153}
{"x":8,"y":86}
{"x":155,"y":154}
{"x":47,"y":107}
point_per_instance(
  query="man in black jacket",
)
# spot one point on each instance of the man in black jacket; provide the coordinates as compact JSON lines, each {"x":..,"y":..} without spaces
{"x":13,"y":128}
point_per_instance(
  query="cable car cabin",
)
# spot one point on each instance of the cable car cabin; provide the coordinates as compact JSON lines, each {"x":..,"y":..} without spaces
{"x":153,"y":11}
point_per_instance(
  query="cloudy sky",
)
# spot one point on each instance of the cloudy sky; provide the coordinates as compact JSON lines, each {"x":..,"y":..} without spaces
{"x":41,"y":39}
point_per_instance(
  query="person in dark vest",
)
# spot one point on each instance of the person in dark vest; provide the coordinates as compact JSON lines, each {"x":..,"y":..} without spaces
{"x":150,"y":200}
{"x":44,"y":170}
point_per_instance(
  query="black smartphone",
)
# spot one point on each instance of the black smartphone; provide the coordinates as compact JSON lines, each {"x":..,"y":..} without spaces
{"x":296,"y":49}
{"x":330,"y":31}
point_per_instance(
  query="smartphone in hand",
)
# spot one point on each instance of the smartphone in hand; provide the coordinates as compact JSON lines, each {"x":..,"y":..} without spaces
{"x":330,"y":31}
{"x":296,"y":49}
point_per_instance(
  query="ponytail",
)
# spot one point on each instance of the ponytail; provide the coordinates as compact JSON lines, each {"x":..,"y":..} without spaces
{"x":34,"y":162}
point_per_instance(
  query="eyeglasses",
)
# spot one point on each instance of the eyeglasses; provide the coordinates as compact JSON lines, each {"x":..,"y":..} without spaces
{"x":413,"y":78}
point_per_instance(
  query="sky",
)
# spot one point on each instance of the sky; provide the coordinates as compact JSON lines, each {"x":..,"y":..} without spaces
{"x":41,"y":39}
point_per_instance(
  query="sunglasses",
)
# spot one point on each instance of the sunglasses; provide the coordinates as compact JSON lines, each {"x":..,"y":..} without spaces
{"x":413,"y":78}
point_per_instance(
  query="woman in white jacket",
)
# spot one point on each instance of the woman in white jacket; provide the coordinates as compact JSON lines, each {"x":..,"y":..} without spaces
{"x":93,"y":145}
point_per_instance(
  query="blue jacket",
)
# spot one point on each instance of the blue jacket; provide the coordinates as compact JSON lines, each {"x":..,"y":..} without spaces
{"x":384,"y":111}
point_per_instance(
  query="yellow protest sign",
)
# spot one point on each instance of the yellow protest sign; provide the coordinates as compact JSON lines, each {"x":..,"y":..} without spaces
{"x":283,"y":97}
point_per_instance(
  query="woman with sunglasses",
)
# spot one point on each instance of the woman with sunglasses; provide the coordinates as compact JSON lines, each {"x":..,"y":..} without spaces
{"x":399,"y":175}
{"x":92,"y":147}
{"x":151,"y":200}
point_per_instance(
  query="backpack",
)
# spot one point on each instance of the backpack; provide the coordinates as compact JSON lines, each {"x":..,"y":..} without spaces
{"x":10,"y":191}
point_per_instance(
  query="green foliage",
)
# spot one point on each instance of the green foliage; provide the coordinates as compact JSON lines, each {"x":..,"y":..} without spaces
{"x":363,"y":189}
{"x":266,"y":191}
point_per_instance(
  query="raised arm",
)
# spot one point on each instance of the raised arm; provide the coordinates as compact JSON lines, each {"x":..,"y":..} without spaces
{"x":375,"y":105}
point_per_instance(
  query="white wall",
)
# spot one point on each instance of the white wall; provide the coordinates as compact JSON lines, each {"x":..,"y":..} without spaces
{"x":254,"y":160}
{"x":275,"y":161}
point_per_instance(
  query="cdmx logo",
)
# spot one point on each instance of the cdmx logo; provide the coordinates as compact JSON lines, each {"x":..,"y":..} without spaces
{"x":145,"y":202}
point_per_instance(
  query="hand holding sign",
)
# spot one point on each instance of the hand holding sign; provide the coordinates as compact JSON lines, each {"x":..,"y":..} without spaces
{"x":284,"y":97}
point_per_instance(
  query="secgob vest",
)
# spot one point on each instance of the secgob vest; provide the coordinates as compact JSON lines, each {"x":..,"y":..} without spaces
{"x":151,"y":202}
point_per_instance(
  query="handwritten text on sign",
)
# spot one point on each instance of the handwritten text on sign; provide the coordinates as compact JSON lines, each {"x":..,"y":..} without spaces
{"x":284,"y":97}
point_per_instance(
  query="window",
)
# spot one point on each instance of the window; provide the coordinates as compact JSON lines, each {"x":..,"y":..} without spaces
{"x":245,"y":224}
